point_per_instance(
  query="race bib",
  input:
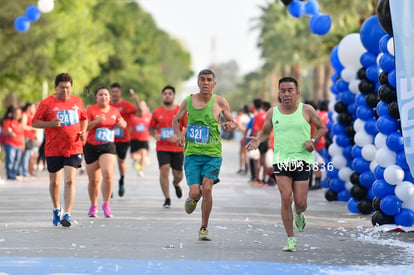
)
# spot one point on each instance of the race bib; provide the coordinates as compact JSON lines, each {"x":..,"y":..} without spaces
{"x":68,"y":117}
{"x":104,"y":135}
{"x":197,"y":133}
{"x":118,"y":132}
{"x":140,"y":128}
{"x":166,"y":133}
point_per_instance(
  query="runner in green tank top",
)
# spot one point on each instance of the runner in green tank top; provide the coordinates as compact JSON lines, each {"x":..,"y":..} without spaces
{"x":293,"y":157}
{"x":202,"y":144}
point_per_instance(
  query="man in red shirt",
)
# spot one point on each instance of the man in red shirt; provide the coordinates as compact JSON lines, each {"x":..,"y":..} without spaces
{"x":64,"y":119}
{"x":169,"y":154}
{"x":122,"y":136}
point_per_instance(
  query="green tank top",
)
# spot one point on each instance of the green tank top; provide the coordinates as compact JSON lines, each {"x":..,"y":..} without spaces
{"x":290,"y":132}
{"x":203,"y":135}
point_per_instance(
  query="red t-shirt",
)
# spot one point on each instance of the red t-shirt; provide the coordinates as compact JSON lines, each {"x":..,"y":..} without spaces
{"x":63,"y":140}
{"x":127,"y":110}
{"x":162,"y":121}
{"x":17,"y":128}
{"x":139,"y":127}
{"x":258,"y":122}
{"x":29,"y":134}
{"x":103,"y":132}
{"x":320,"y":145}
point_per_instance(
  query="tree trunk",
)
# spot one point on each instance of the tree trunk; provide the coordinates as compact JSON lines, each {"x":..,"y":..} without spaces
{"x":327,"y":82}
{"x":318,"y":82}
{"x":296,"y":72}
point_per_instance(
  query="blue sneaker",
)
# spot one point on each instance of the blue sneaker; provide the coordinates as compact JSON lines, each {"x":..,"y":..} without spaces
{"x":66,"y":220}
{"x":57,"y":216}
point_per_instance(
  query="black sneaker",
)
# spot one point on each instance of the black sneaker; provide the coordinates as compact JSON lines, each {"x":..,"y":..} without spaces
{"x":167,"y":203}
{"x":178,"y":191}
{"x":121,"y":190}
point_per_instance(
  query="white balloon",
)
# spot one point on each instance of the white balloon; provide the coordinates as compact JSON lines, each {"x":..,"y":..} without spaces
{"x":338,"y":161}
{"x":354,"y":86}
{"x":45,"y":5}
{"x":359,"y":125}
{"x":331,"y":105}
{"x":348,"y":185}
{"x":368,"y":152}
{"x":390,"y":45}
{"x":350,"y":50}
{"x":379,"y":57}
{"x":385,"y":157}
{"x":335,"y":150}
{"x":394,"y":174}
{"x":348,"y":74}
{"x":372,"y":166}
{"x":344,"y":173}
{"x":380,"y":140}
{"x":362,"y":138}
{"x":404,"y":191}
{"x":408,"y":204}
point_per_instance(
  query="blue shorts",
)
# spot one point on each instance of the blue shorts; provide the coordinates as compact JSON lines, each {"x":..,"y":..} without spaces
{"x":197,"y":167}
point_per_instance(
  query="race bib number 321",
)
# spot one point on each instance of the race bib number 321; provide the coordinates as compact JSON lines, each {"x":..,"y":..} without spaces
{"x":197,"y":133}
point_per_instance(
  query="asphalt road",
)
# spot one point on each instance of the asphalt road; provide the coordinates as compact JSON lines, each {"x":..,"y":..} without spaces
{"x":144,"y":238}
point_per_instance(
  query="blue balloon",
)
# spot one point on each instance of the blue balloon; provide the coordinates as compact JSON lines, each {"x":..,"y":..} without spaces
{"x":364,"y":112}
{"x":371,"y":126}
{"x":404,"y":218}
{"x":353,"y":205}
{"x":390,"y":205}
{"x":344,"y":195}
{"x":332,"y":173}
{"x":352,"y":108}
{"x":366,"y":179}
{"x":387,"y":62}
{"x":347,"y":152}
{"x":32,"y":13}
{"x":296,"y":8}
{"x":367,"y":59}
{"x":382,"y":108}
{"x":347,"y":97}
{"x":356,"y":151}
{"x":360,"y":165}
{"x":370,"y":195}
{"x":311,"y":7}
{"x":402,"y":161}
{"x":379,"y":172}
{"x":395,"y":141}
{"x":336,"y":185}
{"x":392,"y":79}
{"x":324,"y":183}
{"x":408,"y":176}
{"x":372,"y":73}
{"x":333,"y":89}
{"x":336,"y":64}
{"x":386,"y":124}
{"x":320,"y":24}
{"x":335,"y":76}
{"x":338,"y":128}
{"x":343,"y":140}
{"x":341,"y":85}
{"x":382,"y":189}
{"x":21,"y":24}
{"x":371,"y":32}
{"x":383,"y":43}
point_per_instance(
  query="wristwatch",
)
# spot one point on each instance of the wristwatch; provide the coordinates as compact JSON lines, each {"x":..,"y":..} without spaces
{"x":314,"y":141}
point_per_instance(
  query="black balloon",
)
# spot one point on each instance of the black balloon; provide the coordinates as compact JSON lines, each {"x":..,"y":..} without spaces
{"x":372,"y":100}
{"x":354,"y":178}
{"x":349,"y":131}
{"x":365,"y":86}
{"x":331,"y":195}
{"x":380,"y":219}
{"x":365,"y":207}
{"x":361,"y":74}
{"x":384,"y":16}
{"x":286,"y":2}
{"x":383,"y":78}
{"x":393,"y":110}
{"x":345,"y":118}
{"x":376,"y":204}
{"x":340,"y":107}
{"x":358,"y":192}
{"x":387,"y":93}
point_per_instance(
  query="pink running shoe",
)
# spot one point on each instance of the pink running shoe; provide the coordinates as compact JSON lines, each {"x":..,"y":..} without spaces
{"x":107,"y":210}
{"x":93,"y":210}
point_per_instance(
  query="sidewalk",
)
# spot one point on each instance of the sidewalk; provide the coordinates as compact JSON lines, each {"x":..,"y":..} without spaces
{"x":143,"y":237}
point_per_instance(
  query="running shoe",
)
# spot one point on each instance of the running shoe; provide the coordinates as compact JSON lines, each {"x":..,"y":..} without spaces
{"x":190,"y":205}
{"x":121,"y":190}
{"x":178,"y":191}
{"x":107,"y":210}
{"x":291,"y":245}
{"x":203,"y":235}
{"x":93,"y":211}
{"x":57,"y":216}
{"x":167,"y":203}
{"x":66,"y":220}
{"x":300,"y":221}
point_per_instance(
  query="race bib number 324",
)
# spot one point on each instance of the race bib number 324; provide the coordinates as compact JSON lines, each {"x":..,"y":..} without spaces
{"x":197,"y":133}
